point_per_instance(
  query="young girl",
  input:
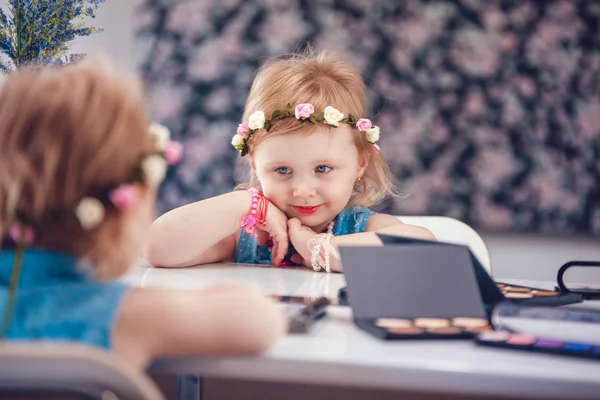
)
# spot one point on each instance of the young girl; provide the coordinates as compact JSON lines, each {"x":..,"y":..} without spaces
{"x":79,"y":169}
{"x":316,"y":168}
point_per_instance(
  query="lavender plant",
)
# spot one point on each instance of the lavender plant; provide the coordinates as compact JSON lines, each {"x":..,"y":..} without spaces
{"x":41,"y":32}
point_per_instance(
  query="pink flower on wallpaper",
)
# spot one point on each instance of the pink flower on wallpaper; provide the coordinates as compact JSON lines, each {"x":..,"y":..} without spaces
{"x":167,"y":101}
{"x":208,"y":61}
{"x":512,"y":111}
{"x":509,"y":42}
{"x":492,"y":166}
{"x":190,"y":17}
{"x":550,"y":195}
{"x":282,"y":31}
{"x":475,"y":104}
{"x":493,"y":20}
{"x":475,"y":52}
{"x":491,"y":215}
{"x":414,"y":33}
{"x":526,"y":86}
{"x":588,"y":119}
{"x":218,"y":101}
{"x":401,"y":57}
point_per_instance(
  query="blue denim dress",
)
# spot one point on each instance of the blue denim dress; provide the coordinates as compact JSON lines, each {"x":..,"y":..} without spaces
{"x":350,"y":220}
{"x":57,"y":300}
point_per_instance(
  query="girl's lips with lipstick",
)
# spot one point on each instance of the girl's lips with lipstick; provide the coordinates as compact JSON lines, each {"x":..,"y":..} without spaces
{"x":306,"y":210}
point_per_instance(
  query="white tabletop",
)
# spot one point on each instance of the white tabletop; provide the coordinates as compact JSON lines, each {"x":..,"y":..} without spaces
{"x":336,"y":352}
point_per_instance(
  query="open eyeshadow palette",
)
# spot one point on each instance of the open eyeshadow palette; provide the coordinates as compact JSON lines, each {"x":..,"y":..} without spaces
{"x":564,"y":331}
{"x":535,"y":296}
{"x":426,"y":328}
{"x":492,"y":292}
{"x":523,"y":341}
{"x":418,"y":300}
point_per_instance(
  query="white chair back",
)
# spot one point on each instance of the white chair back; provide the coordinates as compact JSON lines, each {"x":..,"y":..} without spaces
{"x":74,"y":371}
{"x":451,"y":230}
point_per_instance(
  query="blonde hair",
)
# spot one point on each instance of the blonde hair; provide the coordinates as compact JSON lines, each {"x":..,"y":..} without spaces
{"x":322,"y":79}
{"x":66,"y":134}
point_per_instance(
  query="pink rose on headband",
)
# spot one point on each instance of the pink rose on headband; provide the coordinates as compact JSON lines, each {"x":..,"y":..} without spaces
{"x":123,"y":197}
{"x":173,"y":152}
{"x":363,"y":124}
{"x":15,"y":233}
{"x":242,"y":129}
{"x":304,"y":110}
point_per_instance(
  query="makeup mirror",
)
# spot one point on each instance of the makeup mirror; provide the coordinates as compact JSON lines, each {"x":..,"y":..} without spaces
{"x":581,"y":277}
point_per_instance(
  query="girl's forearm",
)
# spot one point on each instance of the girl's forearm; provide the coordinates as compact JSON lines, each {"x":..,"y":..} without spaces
{"x":182,"y":235}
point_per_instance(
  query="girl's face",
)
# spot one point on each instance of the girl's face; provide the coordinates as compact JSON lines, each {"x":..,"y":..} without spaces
{"x":310,"y":177}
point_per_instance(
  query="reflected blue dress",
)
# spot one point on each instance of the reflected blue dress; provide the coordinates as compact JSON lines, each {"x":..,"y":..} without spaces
{"x":57,"y":300}
{"x":350,"y":220}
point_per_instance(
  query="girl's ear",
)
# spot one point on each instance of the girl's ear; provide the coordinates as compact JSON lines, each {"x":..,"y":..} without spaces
{"x":252,"y":167}
{"x":362,"y":166}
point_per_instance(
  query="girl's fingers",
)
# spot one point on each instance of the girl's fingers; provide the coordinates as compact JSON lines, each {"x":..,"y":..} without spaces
{"x":263,"y":237}
{"x":297,"y":259}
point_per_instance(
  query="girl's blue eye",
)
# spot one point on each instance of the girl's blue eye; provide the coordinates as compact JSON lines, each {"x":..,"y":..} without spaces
{"x":321,"y":169}
{"x":283,"y":170}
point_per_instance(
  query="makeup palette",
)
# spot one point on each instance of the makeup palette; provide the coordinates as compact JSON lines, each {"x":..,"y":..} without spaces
{"x":536,"y":296}
{"x":413,"y":294}
{"x":425,"y":328}
{"x":492,"y":292}
{"x":522,"y":341}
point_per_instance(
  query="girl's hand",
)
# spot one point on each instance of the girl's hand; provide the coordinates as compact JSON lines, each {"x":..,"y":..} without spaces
{"x":276,"y":227}
{"x":300,"y":235}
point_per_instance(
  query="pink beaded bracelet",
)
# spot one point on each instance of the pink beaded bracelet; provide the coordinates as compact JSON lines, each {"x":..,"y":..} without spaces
{"x":258,"y":213}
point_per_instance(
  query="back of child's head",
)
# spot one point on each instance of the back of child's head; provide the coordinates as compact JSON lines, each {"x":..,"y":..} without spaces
{"x":65,"y":135}
{"x":322,"y":79}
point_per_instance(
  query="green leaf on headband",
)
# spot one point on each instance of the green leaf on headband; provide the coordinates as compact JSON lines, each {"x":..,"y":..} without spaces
{"x":312,"y":119}
{"x":319,"y":117}
{"x":288,"y":109}
{"x":267,"y":126}
{"x":351,"y":119}
{"x":276,"y":114}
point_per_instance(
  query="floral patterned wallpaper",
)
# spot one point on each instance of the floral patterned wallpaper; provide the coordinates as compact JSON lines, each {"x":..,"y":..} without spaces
{"x":489,"y":109}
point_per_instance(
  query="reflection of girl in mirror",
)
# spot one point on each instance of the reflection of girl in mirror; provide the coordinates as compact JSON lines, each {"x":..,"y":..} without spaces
{"x":79,"y":171}
{"x":315,"y":170}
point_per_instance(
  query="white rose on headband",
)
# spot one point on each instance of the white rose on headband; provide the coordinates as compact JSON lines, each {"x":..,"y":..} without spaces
{"x":256,"y":120}
{"x":161,"y":136}
{"x":89,"y":212}
{"x":155,"y":169}
{"x":332,"y":116}
{"x":372,"y":134}
{"x":237,"y":140}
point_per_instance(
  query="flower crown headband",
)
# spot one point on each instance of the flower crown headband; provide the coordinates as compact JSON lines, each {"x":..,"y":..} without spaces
{"x":151,"y":170}
{"x":302,"y":112}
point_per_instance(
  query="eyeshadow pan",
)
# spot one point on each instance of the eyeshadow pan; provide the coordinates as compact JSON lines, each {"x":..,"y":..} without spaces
{"x":577,"y":347}
{"x":549,"y":344}
{"x":544,"y":293}
{"x":393,"y":322}
{"x":494,"y":336}
{"x":521,"y":339}
{"x":518,"y":289}
{"x":479,"y":329}
{"x":512,"y":295}
{"x":412,"y":330}
{"x":448,"y":330}
{"x":466,"y":322}
{"x":432,"y":322}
